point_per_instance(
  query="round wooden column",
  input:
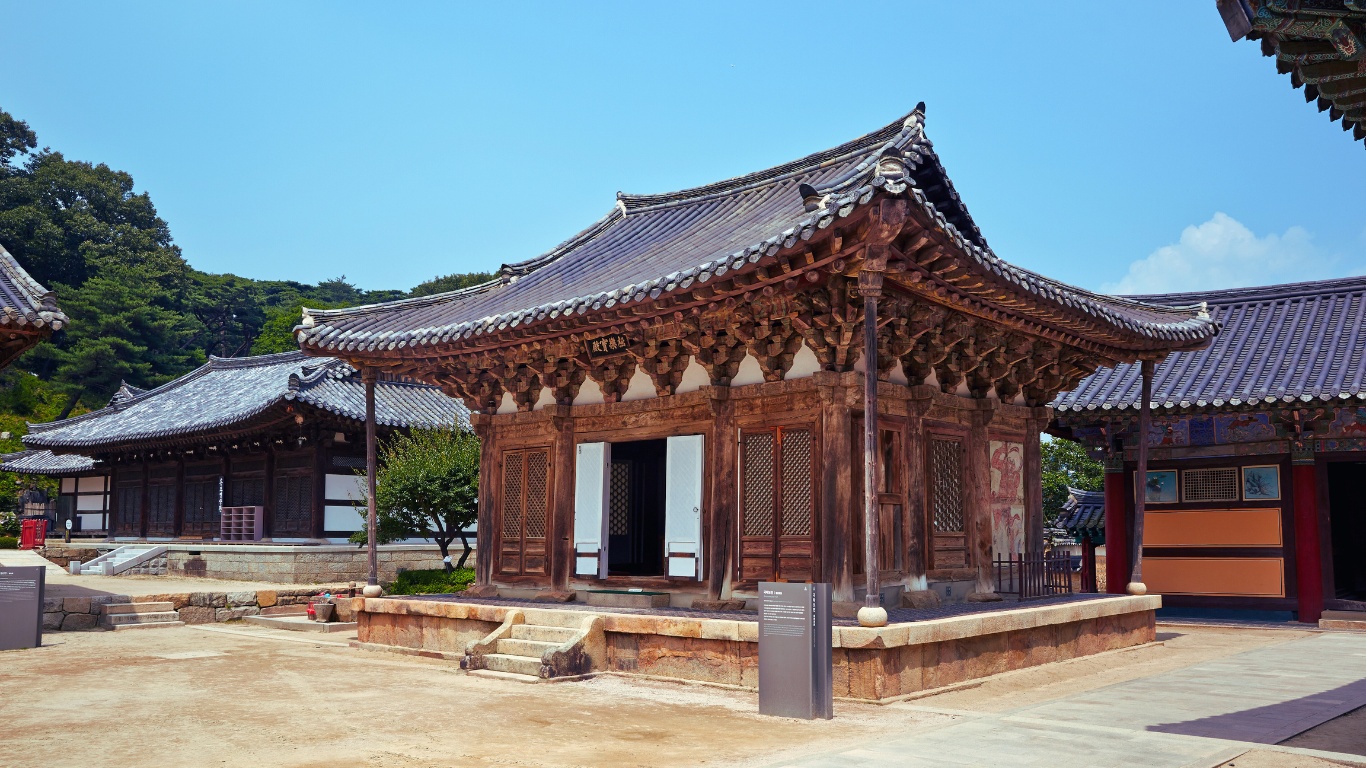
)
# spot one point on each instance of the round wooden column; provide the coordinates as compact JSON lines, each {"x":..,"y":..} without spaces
{"x":1116,"y":527}
{"x":1308,"y":560}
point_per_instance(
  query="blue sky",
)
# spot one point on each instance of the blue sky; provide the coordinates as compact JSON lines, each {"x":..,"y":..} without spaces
{"x":1105,"y":144}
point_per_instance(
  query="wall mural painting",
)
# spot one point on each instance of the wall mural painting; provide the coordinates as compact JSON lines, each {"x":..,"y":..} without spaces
{"x":1007,"y":498}
{"x":1350,"y":422}
{"x":1161,"y":487}
{"x":1243,"y":428}
{"x":1201,"y":430}
{"x":1169,"y":432}
{"x":1262,"y":483}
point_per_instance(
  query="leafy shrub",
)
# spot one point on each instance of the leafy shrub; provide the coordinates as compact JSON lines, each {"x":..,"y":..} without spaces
{"x":12,"y":542}
{"x":433,"y":582}
{"x":9,"y":521}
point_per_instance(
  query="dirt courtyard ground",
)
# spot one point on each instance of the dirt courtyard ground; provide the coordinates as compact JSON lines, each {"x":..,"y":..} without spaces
{"x":234,"y":695}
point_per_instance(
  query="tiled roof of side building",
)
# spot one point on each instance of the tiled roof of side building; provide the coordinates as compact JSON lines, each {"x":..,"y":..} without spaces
{"x":46,"y":463}
{"x":230,"y":391}
{"x":26,"y":309}
{"x":652,"y":245}
{"x":1084,"y":514}
{"x":1301,"y":342}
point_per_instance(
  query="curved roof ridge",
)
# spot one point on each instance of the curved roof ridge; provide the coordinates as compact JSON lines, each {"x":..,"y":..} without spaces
{"x":1258,"y":292}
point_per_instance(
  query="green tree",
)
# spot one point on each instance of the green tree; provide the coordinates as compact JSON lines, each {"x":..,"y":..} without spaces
{"x":451,"y":282}
{"x":427,"y":486}
{"x":1065,"y":464}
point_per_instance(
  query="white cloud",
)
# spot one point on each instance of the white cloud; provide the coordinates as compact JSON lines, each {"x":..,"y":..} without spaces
{"x":1223,"y":253}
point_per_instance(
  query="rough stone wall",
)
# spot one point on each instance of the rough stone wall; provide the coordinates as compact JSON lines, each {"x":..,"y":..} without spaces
{"x":154,"y":567}
{"x":66,"y":614}
{"x":422,"y":633}
{"x":299,"y":567}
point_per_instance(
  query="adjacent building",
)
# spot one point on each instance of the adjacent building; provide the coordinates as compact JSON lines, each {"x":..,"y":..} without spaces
{"x":1256,"y":485}
{"x":282,"y":433}
{"x":28,"y":311}
{"x":820,"y":371}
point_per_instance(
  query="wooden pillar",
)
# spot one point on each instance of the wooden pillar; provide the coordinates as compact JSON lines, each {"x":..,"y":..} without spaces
{"x":1145,"y":420}
{"x":1116,"y":525}
{"x":112,"y":519}
{"x":977,"y":497}
{"x":725,"y":458}
{"x":1308,"y":558}
{"x":142,"y":516}
{"x":870,"y":288}
{"x":836,"y":485}
{"x":1088,"y":564}
{"x":917,"y":531}
{"x":368,"y":375}
{"x":268,"y":496}
{"x":485,"y":539}
{"x":178,"y":514}
{"x":561,"y":545}
{"x":319,"y":477}
{"x":1033,"y":481}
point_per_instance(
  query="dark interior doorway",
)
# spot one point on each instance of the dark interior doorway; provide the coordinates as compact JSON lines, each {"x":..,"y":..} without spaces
{"x":635,"y":524}
{"x":1347,"y":518}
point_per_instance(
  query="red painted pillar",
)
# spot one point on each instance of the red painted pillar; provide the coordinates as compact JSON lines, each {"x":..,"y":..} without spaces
{"x":1308,"y":567}
{"x":1116,"y":528}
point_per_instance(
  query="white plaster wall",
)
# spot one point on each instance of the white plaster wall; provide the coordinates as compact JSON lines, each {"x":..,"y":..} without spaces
{"x":546,"y":398}
{"x":639,"y":388}
{"x":589,"y":393}
{"x":804,"y":363}
{"x":508,"y":405}
{"x":898,"y":375}
{"x":749,"y":372}
{"x":694,"y":377}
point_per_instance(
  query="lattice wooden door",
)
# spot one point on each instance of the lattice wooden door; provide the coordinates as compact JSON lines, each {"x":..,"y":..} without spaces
{"x":947,"y":527}
{"x":526,"y":490}
{"x":777,"y":505}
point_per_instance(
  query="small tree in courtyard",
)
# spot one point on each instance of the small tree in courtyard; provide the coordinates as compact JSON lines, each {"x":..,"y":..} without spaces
{"x":428,"y":485}
{"x":1065,"y":463}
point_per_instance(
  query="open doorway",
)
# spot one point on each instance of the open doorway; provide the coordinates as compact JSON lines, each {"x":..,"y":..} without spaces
{"x":635,"y":524}
{"x":1347,"y":519}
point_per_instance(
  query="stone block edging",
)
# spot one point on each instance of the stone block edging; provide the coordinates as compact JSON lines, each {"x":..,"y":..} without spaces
{"x":67,"y":614}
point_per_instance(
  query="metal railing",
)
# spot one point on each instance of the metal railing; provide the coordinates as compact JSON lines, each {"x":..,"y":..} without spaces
{"x":1034,"y":575}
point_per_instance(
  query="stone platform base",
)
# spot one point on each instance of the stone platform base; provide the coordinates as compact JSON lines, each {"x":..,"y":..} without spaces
{"x":870,"y":664}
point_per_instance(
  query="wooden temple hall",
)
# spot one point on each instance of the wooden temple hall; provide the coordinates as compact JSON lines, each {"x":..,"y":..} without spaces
{"x":816,"y":372}
{"x":277,"y":440}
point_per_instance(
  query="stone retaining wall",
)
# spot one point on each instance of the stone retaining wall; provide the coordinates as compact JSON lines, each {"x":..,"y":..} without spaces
{"x":870,"y":664}
{"x":66,"y":614}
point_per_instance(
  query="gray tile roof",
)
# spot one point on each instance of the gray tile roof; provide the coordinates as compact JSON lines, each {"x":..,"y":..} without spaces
{"x":651,"y":245}
{"x":231,"y":391}
{"x":1084,"y":514}
{"x":46,"y":463}
{"x":1301,"y":342}
{"x":26,"y":307}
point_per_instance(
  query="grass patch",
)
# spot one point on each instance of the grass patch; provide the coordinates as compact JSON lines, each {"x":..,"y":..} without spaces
{"x":432,"y":582}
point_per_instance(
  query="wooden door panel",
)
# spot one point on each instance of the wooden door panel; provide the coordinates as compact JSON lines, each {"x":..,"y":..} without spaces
{"x":796,"y":559}
{"x":525,"y":508}
{"x":756,"y":559}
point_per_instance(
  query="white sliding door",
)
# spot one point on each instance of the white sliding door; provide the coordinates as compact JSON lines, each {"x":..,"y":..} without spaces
{"x":683,"y":506}
{"x":590,"y":499}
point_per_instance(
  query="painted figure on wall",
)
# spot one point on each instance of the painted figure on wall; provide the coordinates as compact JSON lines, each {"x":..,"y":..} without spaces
{"x":1007,"y":498}
{"x":1244,"y":428}
{"x":1350,"y":422}
{"x":1169,"y":432}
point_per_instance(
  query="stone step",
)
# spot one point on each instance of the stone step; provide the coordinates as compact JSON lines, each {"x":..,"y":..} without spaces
{"x":519,"y":665}
{"x":148,"y":625}
{"x":300,"y":624}
{"x":124,"y":608}
{"x":1350,"y":620}
{"x":285,"y":610}
{"x":531,"y":648}
{"x":622,"y":599}
{"x":543,"y":617}
{"x":509,"y":676}
{"x":123,"y":619}
{"x":542,"y":634}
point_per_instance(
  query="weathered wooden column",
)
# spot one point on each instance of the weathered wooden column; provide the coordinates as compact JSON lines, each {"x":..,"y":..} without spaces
{"x":1116,"y":523}
{"x":178,"y":514}
{"x":977,"y":495}
{"x":1308,"y":558}
{"x":1033,"y":480}
{"x":917,"y":532}
{"x":836,"y":468}
{"x":485,"y":540}
{"x":368,"y":375}
{"x":1145,"y":421}
{"x":725,"y":458}
{"x":872,"y":614}
{"x":561,"y":548}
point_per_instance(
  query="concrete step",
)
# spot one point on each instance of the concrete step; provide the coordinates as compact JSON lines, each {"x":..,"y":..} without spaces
{"x":148,"y":625}
{"x":301,"y":624}
{"x":285,"y":610}
{"x":519,"y":665}
{"x":549,"y":618}
{"x":509,"y":676}
{"x":531,"y":648}
{"x":126,"y":608}
{"x":124,"y":619}
{"x":1350,"y":620}
{"x":542,"y":634}
{"x":622,"y":599}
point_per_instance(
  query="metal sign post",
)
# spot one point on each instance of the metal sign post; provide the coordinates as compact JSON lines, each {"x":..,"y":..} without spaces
{"x":21,"y":607}
{"x":794,"y":651}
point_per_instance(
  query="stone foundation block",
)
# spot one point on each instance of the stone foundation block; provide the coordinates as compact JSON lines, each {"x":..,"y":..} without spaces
{"x":198,"y":615}
{"x":76,"y":605}
{"x":78,"y":621}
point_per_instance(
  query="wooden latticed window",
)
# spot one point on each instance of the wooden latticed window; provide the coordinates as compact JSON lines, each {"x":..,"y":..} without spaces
{"x":619,"y":499}
{"x":128,"y":507}
{"x":777,"y":504}
{"x":1217,"y":484}
{"x":525,"y":502}
{"x":293,"y":496}
{"x":201,"y":507}
{"x":945,"y":489}
{"x":248,"y":486}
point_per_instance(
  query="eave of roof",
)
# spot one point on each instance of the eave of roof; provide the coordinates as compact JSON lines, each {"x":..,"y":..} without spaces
{"x":849,"y":176}
{"x":46,"y":463}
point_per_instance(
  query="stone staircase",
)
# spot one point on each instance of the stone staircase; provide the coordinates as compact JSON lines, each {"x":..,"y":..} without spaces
{"x":121,"y":616}
{"x":526,"y":647}
{"x":140,"y":558}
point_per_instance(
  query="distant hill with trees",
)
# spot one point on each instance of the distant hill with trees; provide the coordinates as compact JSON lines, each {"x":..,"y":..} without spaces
{"x":139,"y":312}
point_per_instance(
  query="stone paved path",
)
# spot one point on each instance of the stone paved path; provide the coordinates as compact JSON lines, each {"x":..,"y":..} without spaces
{"x":1202,"y":715}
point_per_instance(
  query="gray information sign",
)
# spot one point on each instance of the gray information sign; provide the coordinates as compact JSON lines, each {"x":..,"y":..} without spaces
{"x":794,"y":651}
{"x":21,"y":607}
